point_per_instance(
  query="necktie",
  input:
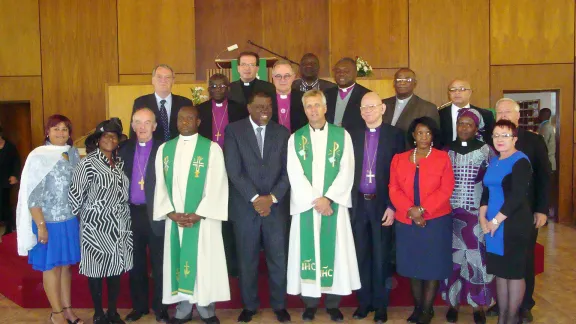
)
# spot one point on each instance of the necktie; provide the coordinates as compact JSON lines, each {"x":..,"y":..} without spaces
{"x":164,"y":120}
{"x":259,"y":140}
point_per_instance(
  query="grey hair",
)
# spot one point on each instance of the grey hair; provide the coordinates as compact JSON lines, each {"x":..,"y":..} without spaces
{"x":501,"y":100}
{"x":282,"y":62}
{"x":166,"y":66}
{"x":313,"y":93}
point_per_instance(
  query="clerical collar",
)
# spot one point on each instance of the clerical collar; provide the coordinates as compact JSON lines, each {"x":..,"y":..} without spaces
{"x":247,"y":84}
{"x":373,"y":130}
{"x":144,"y":144}
{"x":463,"y":143}
{"x":187,"y":138}
{"x":404,"y":100}
{"x":347,"y":88}
{"x":318,"y":129}
{"x":219,"y":104}
{"x":283,"y":96}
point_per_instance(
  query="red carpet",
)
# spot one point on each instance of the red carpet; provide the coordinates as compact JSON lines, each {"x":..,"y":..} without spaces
{"x":24,"y":287}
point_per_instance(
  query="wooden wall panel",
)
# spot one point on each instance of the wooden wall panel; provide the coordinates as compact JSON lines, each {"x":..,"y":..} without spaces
{"x":27,"y":89}
{"x":546,"y":77}
{"x":373,"y":29}
{"x":151,"y":32}
{"x":531,"y":32}
{"x":220,"y":24}
{"x":293,"y":29}
{"x":442,"y":48}
{"x":79,"y":55}
{"x":20,"y":37}
{"x":147,"y":78}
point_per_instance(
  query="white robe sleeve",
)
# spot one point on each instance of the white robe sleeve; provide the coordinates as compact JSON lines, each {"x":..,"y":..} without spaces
{"x":214,"y":203}
{"x":340,"y":189}
{"x":162,"y":204}
{"x":302,"y":193}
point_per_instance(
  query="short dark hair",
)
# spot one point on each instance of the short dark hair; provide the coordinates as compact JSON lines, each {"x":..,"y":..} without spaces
{"x":504,"y":123}
{"x":426,"y":121}
{"x":260,"y":94}
{"x":249,"y":54}
{"x":219,"y":76}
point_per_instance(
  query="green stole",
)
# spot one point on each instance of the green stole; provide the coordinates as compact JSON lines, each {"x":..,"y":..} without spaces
{"x":183,"y":259}
{"x":334,"y":149}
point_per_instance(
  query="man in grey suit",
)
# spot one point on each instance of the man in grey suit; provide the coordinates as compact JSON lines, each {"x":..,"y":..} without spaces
{"x":546,"y":129}
{"x":403,"y":108}
{"x":255,"y":152}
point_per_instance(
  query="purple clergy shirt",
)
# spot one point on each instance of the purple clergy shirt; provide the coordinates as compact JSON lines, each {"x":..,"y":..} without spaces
{"x":141,"y":155}
{"x":368,"y":182}
{"x":283,"y":110}
{"x":219,"y":121}
{"x":343,"y":92}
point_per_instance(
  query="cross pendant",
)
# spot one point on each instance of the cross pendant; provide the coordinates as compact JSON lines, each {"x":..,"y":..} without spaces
{"x":141,"y":183}
{"x":218,"y":136}
{"x":370,"y":175}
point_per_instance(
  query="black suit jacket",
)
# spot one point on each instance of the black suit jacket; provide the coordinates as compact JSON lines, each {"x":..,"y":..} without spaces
{"x":149,"y":101}
{"x":352,"y":117}
{"x":446,"y":124}
{"x":237,"y":94}
{"x":391,"y":142}
{"x":534,"y":147}
{"x":236,"y":112}
{"x":250,"y":174}
{"x":126,"y":152}
{"x":297,"y":115}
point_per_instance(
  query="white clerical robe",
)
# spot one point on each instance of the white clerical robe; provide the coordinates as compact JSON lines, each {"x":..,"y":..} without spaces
{"x":212,"y":275}
{"x":303,"y":193}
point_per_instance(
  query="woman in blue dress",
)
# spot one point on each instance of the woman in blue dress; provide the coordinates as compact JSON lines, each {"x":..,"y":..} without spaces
{"x":48,"y":232}
{"x":506,"y":220}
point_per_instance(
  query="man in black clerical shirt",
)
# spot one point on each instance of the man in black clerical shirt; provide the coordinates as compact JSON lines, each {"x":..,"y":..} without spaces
{"x":309,"y":69}
{"x":241,"y":90}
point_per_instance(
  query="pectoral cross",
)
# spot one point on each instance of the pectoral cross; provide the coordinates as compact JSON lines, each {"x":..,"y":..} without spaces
{"x":218,"y":136}
{"x":141,"y":183}
{"x":370,"y":176}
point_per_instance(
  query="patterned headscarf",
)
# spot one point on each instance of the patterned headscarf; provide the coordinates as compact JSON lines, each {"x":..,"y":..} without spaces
{"x":476,"y":117}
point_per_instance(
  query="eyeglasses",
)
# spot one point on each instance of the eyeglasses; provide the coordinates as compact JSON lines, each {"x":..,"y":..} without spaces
{"x":502,"y":135}
{"x":369,"y":108}
{"x":406,"y":80}
{"x":247,"y":64}
{"x":282,"y":77}
{"x":460,"y":89}
{"x":218,"y":86}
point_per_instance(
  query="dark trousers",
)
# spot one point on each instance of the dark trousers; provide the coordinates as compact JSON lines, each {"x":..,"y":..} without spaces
{"x":331,"y":301}
{"x":530,"y":276}
{"x":6,"y":210}
{"x":229,"y":239}
{"x":251,"y":234}
{"x":144,"y":237}
{"x":373,"y":245}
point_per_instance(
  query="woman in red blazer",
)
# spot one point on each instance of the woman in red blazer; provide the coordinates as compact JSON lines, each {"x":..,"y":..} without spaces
{"x":421,"y":183}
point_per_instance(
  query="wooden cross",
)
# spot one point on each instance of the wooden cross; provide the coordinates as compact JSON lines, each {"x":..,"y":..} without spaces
{"x":370,"y":175}
{"x":218,"y":136}
{"x":141,"y":183}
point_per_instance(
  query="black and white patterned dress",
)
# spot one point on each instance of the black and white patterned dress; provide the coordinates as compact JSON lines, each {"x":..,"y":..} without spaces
{"x":99,"y":197}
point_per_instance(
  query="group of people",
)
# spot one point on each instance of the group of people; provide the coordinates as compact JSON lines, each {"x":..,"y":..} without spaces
{"x":338,"y":187}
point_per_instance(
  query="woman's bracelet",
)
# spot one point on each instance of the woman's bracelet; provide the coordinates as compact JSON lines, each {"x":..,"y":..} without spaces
{"x":40,"y":224}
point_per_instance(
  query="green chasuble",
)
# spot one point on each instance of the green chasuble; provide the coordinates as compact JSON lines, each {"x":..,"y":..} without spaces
{"x":183,"y":259}
{"x":334,"y":149}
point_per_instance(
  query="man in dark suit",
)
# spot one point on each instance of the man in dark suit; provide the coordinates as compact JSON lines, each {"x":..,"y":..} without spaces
{"x":218,"y":111}
{"x":343,"y":102}
{"x":534,"y":147}
{"x":163,"y":103}
{"x":255,"y":151}
{"x":309,"y":80}
{"x":372,"y":213}
{"x":290,"y":111}
{"x":459,"y":92}
{"x":241,"y":90}
{"x":137,"y":154}
{"x":403,"y":108}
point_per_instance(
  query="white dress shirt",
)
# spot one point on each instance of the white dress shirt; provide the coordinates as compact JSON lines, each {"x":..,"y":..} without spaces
{"x":167,"y":104}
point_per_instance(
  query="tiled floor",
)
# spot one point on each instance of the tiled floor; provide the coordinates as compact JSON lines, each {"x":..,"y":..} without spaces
{"x":555,"y":294}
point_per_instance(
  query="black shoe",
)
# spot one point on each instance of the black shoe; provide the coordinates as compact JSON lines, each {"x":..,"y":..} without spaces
{"x":362,"y":311}
{"x":415,"y":315}
{"x":282,"y":316}
{"x":492,"y":311}
{"x":175,"y":320}
{"x":162,"y":316}
{"x":135,"y":315}
{"x":114,"y":318}
{"x":309,"y":314}
{"x":452,"y":315}
{"x":246,"y":316}
{"x":335,"y":314}
{"x":425,"y":318}
{"x":526,"y":316}
{"x":381,"y":315}
{"x":479,"y":317}
{"x":211,"y":320}
{"x":100,"y":319}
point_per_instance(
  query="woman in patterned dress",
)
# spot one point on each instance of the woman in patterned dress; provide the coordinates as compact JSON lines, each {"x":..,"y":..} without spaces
{"x":469,"y":283}
{"x":99,"y":195}
{"x":47,"y":228}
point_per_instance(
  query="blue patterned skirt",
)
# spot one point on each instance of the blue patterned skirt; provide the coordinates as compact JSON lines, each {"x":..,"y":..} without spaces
{"x":63,"y":247}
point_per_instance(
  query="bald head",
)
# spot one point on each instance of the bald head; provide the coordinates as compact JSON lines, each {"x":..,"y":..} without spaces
{"x":459,"y":92}
{"x":372,"y":109}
